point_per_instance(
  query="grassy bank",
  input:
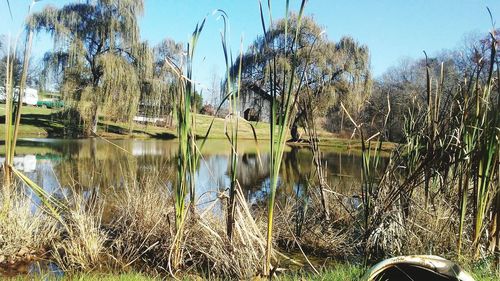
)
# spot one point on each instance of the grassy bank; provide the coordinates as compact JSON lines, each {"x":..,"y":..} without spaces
{"x":35,"y":122}
{"x":342,"y":272}
{"x":44,"y":122}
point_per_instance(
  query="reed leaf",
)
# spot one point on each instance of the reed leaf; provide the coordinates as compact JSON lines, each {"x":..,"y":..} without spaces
{"x":12,"y":124}
{"x":54,"y":206}
{"x":280,"y":117}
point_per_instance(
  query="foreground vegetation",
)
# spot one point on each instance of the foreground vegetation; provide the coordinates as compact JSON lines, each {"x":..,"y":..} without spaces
{"x":135,"y":234}
{"x":439,"y":192}
{"x":338,"y":273}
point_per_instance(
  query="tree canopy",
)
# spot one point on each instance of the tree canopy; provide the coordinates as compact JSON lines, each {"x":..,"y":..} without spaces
{"x":404,"y":88}
{"x":97,"y":54}
{"x":332,"y":71}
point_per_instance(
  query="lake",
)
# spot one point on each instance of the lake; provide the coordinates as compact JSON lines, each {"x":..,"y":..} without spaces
{"x":88,"y":165}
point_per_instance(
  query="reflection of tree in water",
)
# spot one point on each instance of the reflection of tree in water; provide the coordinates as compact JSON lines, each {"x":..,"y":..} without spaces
{"x":94,"y":163}
{"x":297,"y":176}
{"x":98,"y":164}
{"x":296,"y":172}
{"x":295,"y":169}
{"x":250,"y":174}
{"x":344,"y":172}
{"x":255,"y":179}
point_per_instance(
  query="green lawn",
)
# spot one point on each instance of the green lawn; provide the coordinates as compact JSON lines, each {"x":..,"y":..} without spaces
{"x":43,"y":122}
{"x":340,"y":272}
{"x":35,"y":122}
{"x":202,"y":124}
{"x":112,"y":129}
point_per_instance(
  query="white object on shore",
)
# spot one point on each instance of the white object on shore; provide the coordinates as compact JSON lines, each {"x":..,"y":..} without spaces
{"x":30,"y":96}
{"x":432,"y":264}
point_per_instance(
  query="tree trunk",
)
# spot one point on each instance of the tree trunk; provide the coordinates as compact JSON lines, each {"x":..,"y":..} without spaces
{"x":294,"y":129}
{"x":91,"y":126}
{"x":294,"y":132}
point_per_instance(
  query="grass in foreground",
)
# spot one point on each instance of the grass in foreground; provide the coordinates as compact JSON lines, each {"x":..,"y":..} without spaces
{"x":341,"y":272}
{"x":90,"y":277}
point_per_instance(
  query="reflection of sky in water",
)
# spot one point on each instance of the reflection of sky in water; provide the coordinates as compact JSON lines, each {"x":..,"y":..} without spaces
{"x":95,"y":163}
{"x":211,"y":177}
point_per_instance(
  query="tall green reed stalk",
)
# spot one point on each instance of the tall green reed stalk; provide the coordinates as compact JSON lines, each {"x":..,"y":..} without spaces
{"x":464,"y":144}
{"x":232,"y":97}
{"x":187,"y":150}
{"x":371,"y":148}
{"x":480,"y":136}
{"x":430,"y":128}
{"x":234,"y":120}
{"x":13,"y":115}
{"x":453,"y":151}
{"x":321,"y":172}
{"x":282,"y":111}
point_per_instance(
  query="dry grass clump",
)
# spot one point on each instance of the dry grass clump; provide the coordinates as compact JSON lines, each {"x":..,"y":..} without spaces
{"x":419,"y":231}
{"x":142,"y":233}
{"x":209,"y":249}
{"x":406,"y":226}
{"x":82,"y":244}
{"x":25,"y":231}
{"x":387,"y":237}
{"x":316,"y":236}
{"x":432,"y":231}
{"x":141,"y":228}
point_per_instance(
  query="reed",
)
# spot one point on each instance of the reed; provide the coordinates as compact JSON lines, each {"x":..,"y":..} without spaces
{"x":370,"y":167}
{"x":481,"y":125}
{"x":187,"y":151}
{"x":450,"y":155}
{"x":282,"y":111}
{"x":312,"y":132}
{"x":25,"y":233}
{"x":458,"y":147}
{"x":81,"y":246}
{"x":234,"y":123}
{"x":12,"y":123}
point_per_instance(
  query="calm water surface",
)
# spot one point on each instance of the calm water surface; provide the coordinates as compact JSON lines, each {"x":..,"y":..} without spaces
{"x":95,"y":164}
{"x":88,"y":166}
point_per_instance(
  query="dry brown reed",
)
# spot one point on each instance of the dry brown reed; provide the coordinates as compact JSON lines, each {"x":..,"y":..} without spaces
{"x":142,"y":230}
{"x":81,"y":246}
{"x":24,"y":233}
{"x":334,"y":238}
{"x":141,"y":225}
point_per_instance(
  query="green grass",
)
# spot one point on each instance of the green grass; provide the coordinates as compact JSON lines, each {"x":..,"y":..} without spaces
{"x":30,"y":110}
{"x":40,"y":122}
{"x":90,"y":277}
{"x":337,"y":272}
{"x":484,"y":276}
{"x":342,"y":272}
{"x":35,"y":121}
{"x":202,"y":124}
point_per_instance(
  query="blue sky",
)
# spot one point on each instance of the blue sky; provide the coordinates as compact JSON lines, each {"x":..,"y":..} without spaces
{"x":392,"y":29}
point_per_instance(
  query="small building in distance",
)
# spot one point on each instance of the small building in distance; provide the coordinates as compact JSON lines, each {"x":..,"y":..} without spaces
{"x":255,"y":105}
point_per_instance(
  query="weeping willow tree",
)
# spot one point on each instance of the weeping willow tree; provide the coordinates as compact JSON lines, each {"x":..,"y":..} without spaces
{"x":333,"y":71}
{"x":98,"y":55}
{"x":158,"y":81}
